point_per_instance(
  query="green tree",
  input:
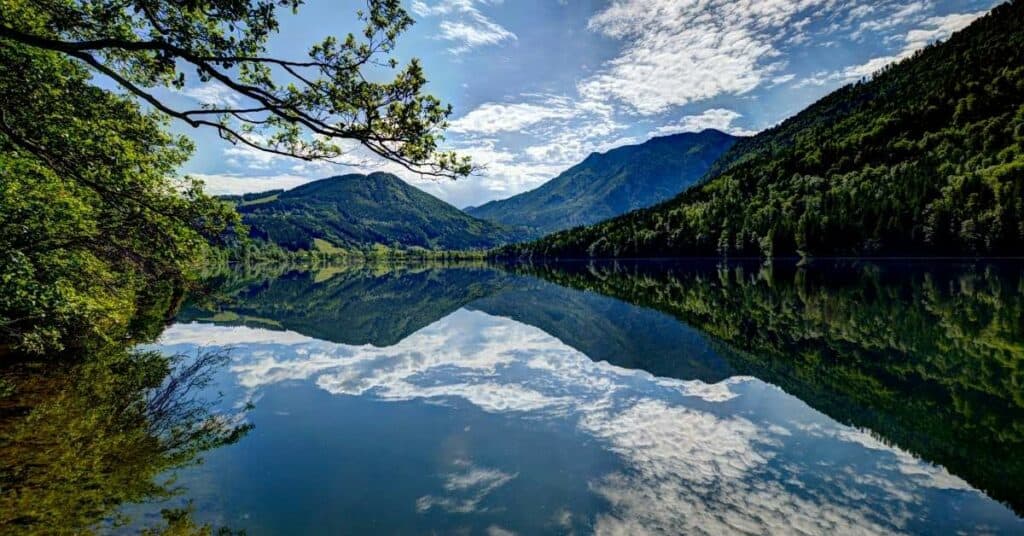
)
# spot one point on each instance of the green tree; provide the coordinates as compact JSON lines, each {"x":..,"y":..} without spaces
{"x":95,"y":231}
{"x":300,"y":108}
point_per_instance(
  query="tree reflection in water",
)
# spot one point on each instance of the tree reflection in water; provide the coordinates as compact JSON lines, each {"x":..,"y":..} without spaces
{"x":78,"y":440}
{"x":928,"y":356}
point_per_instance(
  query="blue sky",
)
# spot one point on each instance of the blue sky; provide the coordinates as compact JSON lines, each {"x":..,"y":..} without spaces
{"x":537,"y":85}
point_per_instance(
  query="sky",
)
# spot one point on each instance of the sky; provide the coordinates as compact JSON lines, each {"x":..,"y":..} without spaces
{"x":537,"y":85}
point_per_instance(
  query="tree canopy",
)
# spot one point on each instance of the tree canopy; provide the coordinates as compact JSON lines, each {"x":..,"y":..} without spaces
{"x":96,"y":231}
{"x":303,"y":108}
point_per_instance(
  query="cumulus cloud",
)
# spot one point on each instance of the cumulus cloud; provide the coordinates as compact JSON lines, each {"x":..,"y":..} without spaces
{"x":236,"y":183}
{"x":491,"y":118}
{"x":212,"y":94}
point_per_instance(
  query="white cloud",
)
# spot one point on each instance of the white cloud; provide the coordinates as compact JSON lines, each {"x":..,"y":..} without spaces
{"x":235,"y":184}
{"x":477,"y":32}
{"x":491,"y":118}
{"x":783,"y":79}
{"x":213,"y":94}
{"x":931,"y":30}
{"x":716,"y":118}
{"x":679,"y":52}
{"x":900,"y":15}
{"x":464,"y":24}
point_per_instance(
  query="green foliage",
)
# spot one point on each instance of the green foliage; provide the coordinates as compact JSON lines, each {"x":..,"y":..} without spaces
{"x":302,"y":108}
{"x":79,"y":440}
{"x":367,"y":214}
{"x":927,"y":158}
{"x":931,"y":359}
{"x":612,"y":183}
{"x":92,"y":231}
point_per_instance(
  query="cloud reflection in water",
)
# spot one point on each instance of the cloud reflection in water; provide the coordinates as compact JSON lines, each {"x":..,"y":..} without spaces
{"x":738,"y":456}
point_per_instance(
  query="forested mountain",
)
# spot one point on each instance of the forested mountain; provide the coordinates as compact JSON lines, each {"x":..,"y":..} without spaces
{"x":612,"y":183}
{"x":359,"y":211}
{"x":926,"y":158}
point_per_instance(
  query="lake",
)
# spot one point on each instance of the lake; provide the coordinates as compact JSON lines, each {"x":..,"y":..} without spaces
{"x":840,"y":397}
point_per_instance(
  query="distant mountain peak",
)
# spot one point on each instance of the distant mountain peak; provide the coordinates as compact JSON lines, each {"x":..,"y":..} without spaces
{"x":607,"y":184}
{"x":360,"y":211}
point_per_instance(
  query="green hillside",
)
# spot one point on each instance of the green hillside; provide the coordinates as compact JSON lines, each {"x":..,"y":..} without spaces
{"x":613,"y":183}
{"x":359,"y":211}
{"x":927,"y":158}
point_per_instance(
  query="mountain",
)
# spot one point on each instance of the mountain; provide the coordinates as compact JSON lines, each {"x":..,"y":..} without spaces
{"x":926,"y":158}
{"x":359,"y":211}
{"x":612,"y":183}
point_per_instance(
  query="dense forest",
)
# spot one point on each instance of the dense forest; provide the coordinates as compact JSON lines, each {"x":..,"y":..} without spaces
{"x":929,"y":359}
{"x":926,"y":158}
{"x":612,"y":183}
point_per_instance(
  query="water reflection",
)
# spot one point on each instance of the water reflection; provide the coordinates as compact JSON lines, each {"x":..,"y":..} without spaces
{"x":79,"y":440}
{"x":526,"y":406}
{"x":927,"y":355}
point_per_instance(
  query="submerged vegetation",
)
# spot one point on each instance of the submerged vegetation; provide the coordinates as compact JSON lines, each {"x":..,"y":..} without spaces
{"x":927,"y":158}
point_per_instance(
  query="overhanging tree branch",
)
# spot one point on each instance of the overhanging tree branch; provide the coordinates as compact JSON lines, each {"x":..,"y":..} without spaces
{"x":141,"y":44}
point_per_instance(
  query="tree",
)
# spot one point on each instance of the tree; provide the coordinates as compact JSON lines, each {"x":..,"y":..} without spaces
{"x":94,"y":230}
{"x":325,"y":98}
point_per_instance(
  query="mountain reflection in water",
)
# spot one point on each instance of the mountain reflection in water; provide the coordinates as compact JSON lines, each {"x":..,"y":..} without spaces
{"x":624,"y":398}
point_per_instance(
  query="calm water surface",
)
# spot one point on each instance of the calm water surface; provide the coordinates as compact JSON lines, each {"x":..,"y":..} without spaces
{"x":838,"y":398}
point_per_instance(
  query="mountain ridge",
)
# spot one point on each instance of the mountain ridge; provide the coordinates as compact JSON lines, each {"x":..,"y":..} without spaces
{"x":926,"y":158}
{"x":604,"y":185}
{"x":361,"y":211}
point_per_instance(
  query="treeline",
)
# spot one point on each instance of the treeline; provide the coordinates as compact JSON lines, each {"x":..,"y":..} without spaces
{"x":927,"y":158}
